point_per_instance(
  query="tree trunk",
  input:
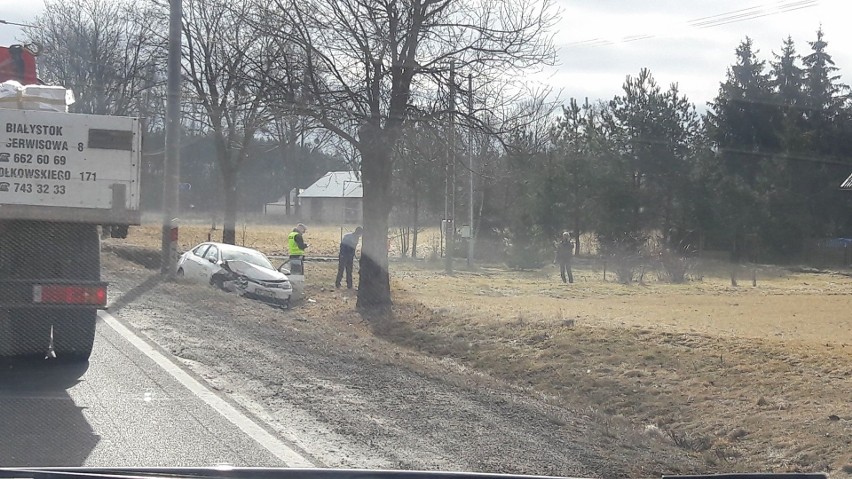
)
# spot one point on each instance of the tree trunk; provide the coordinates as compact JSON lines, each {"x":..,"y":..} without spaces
{"x":229,"y":225}
{"x":287,"y":202}
{"x":403,"y":240}
{"x":576,"y":233}
{"x":415,"y":226}
{"x":667,"y":224}
{"x":376,"y":168}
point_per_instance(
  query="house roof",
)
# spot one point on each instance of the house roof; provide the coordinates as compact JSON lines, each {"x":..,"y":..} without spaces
{"x":335,"y":184}
{"x":847,"y":185}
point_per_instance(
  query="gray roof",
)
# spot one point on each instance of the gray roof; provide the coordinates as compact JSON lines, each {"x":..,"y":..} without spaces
{"x":847,"y":185}
{"x":335,"y":184}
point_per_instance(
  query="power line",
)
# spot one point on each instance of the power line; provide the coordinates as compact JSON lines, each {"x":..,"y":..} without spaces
{"x":783,"y":7}
{"x":711,"y":21}
{"x":752,"y":12}
{"x":6,"y":22}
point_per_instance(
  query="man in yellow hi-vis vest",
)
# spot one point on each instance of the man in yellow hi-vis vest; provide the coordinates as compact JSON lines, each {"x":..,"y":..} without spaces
{"x":296,"y":244}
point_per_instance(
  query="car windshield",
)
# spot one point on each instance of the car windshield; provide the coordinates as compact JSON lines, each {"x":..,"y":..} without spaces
{"x":579,"y":238}
{"x":253,"y":257}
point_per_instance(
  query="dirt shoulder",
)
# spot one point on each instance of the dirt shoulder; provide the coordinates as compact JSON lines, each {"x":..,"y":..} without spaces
{"x":337,"y":387}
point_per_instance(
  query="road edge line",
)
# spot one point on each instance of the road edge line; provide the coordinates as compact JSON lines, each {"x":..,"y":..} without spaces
{"x":274,"y":445}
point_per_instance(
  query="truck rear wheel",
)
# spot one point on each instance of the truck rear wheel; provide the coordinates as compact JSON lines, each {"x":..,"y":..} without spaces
{"x":74,"y":334}
{"x":25,"y":334}
{"x":74,"y":329}
{"x":48,"y":251}
{"x":118,"y":231}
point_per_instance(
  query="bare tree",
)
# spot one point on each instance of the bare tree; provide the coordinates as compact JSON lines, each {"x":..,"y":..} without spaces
{"x":227,"y":69}
{"x":369,"y":66}
{"x":104,"y":50}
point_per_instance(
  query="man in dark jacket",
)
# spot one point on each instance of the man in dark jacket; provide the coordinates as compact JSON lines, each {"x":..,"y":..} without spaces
{"x":564,"y":253}
{"x":346,"y":257}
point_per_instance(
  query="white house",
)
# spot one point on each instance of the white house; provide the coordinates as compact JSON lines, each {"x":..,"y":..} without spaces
{"x":334,"y":198}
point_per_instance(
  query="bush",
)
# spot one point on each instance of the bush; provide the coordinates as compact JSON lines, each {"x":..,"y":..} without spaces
{"x":675,"y":267}
{"x":624,"y":253}
{"x":626,"y":265}
{"x":525,"y":257}
{"x":526,"y":248}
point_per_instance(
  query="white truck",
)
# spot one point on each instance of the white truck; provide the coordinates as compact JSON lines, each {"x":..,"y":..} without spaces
{"x":61,"y":175}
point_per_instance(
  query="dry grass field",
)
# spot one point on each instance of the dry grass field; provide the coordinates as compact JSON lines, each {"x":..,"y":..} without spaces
{"x":747,"y":378}
{"x":271,"y":239}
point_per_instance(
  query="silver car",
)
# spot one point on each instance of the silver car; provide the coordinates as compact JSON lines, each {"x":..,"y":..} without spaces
{"x":236,"y":269}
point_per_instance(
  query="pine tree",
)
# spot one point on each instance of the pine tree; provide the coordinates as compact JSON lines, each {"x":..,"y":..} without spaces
{"x":655,"y":130}
{"x":783,"y":177}
{"x":824,"y":92}
{"x":787,"y":78}
{"x":743,"y":127}
{"x":826,"y":130}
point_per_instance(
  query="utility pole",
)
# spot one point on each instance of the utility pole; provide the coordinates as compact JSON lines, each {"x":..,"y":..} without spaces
{"x":470,"y":164}
{"x":171,"y":173}
{"x":451,"y":177}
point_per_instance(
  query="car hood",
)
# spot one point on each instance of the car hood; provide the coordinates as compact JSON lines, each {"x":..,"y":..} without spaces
{"x":254,"y":271}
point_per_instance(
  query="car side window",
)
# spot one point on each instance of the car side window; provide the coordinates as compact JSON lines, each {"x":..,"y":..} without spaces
{"x":213,"y":252}
{"x":199,"y":251}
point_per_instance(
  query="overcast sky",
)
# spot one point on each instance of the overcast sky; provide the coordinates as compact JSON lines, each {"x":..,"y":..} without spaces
{"x":689,"y":42}
{"x":18,"y":11}
{"x":680,"y":49}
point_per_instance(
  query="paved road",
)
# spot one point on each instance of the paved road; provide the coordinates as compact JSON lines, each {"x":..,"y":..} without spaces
{"x":120,"y":409}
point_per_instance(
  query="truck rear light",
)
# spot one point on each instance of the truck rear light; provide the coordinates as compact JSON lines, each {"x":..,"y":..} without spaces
{"x":69,"y":294}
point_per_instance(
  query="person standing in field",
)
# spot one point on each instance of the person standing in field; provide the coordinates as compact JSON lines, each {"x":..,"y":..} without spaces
{"x":346,"y":257}
{"x":297,"y":246}
{"x":564,"y":254}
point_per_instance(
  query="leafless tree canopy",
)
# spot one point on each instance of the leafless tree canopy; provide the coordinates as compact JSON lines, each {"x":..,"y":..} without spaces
{"x":106,"y":51}
{"x":386,"y":62}
{"x":227,"y":72}
{"x":364,"y":69}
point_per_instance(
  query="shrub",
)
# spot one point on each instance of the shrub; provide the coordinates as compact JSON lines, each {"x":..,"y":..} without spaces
{"x":675,"y":267}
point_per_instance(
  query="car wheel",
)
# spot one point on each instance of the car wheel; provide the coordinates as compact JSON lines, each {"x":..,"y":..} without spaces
{"x":180,"y":273}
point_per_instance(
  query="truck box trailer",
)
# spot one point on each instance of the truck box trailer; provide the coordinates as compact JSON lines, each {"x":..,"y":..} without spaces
{"x":61,"y":175}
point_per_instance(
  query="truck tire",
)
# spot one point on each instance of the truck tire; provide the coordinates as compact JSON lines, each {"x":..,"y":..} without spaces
{"x":118,"y":231}
{"x":74,"y":330}
{"x":48,"y":251}
{"x":25,"y":334}
{"x":74,"y":334}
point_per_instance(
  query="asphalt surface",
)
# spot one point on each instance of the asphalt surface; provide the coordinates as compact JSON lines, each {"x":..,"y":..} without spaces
{"x":119,"y":409}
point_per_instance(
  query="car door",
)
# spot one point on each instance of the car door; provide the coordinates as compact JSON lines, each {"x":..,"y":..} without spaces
{"x":209,"y":264}
{"x":192,"y":262}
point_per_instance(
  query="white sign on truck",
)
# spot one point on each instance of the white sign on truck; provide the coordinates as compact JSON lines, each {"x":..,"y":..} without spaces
{"x":71,"y":167}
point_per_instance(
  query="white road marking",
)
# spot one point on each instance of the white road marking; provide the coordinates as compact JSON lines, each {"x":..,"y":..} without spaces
{"x":286,"y":454}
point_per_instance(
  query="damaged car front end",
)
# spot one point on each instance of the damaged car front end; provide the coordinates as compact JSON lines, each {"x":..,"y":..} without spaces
{"x":255,"y":282}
